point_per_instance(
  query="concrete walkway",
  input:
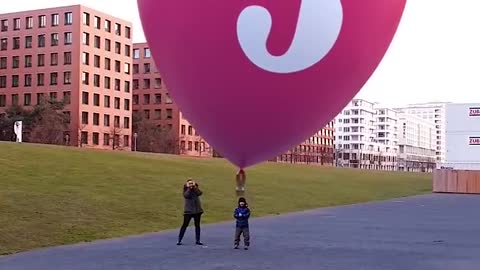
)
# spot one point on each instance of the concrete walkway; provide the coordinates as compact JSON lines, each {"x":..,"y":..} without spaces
{"x":419,"y":233}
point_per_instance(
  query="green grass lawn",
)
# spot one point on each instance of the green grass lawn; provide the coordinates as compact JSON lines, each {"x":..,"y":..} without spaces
{"x":53,"y":196}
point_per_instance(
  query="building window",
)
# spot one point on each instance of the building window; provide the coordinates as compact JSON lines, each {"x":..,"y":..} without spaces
{"x":97,"y":22}
{"x":54,"y":39}
{"x":169,"y":114}
{"x":85,"y":98}
{"x":67,"y":97}
{"x":67,"y":58}
{"x":96,"y":100}
{"x":96,"y":119}
{"x":117,"y":66}
{"x":40,"y":98}
{"x":168,"y":100}
{"x":85,"y":78}
{"x":16,"y":24}
{"x":106,"y":120}
{"x":106,"y":101}
{"x":84,"y":137}
{"x":16,"y":62}
{"x":146,"y":113}
{"x":29,"y":22}
{"x":146,"y":83}
{"x":28,"y":42}
{"x":147,"y":53}
{"x":86,"y":58}
{"x":68,"y":38}
{"x":136,"y":53}
{"x":3,"y":81}
{"x":126,"y":105}
{"x":116,"y":121}
{"x":146,"y":99}
{"x":128,"y":32}
{"x":126,"y":140}
{"x":3,"y":100}
{"x":190,"y":130}
{"x":86,"y":39}
{"x":40,"y":79}
{"x":41,"y":41}
{"x":157,"y":114}
{"x":4,"y":25}
{"x":107,"y":64}
{"x":16,"y":43}
{"x":86,"y":19}
{"x":108,"y":45}
{"x":53,"y":78}
{"x":27,"y":99}
{"x":97,"y":42}
{"x":68,"y":18}
{"x":106,"y":83}
{"x":106,"y":139}
{"x":28,"y":61}
{"x":55,"y":20}
{"x":117,"y":85}
{"x":116,"y":103}
{"x":146,"y":68}
{"x":158,"y":98}
{"x":126,"y":67}
{"x":95,"y":138}
{"x":126,"y":86}
{"x":85,"y":118}
{"x":190,"y":146}
{"x":108,"y":26}
{"x":158,"y":83}
{"x":118,"y":29}
{"x":96,"y":80}
{"x":3,"y":62}
{"x":53,"y":95}
{"x":127,"y":50}
{"x":28,"y":80}
{"x":136,"y":84}
{"x":15,"y":99}
{"x":118,"y":48}
{"x":183,"y":130}
{"x":96,"y":61}
{"x":4,"y":44}
{"x":53,"y":59}
{"x":135,"y":99}
{"x":67,"y":77}
{"x":126,"y":122}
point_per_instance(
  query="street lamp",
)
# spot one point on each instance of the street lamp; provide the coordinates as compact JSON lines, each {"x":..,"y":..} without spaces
{"x":135,"y":135}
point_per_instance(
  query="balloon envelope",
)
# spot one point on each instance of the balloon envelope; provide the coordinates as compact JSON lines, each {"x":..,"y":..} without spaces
{"x":256,"y":78}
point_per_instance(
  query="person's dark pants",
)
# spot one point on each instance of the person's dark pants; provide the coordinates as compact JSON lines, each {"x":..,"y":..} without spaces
{"x":186,"y":222}
{"x":246,"y":235}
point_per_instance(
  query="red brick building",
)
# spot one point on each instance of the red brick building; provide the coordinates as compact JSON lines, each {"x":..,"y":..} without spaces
{"x":318,"y":149}
{"x":152,"y":99}
{"x":74,"y":54}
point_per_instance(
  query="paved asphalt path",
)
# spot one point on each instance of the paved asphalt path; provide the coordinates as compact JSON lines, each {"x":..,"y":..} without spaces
{"x":418,"y":233}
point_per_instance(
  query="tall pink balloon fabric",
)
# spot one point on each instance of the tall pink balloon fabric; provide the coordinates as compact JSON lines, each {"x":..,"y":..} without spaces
{"x":257,"y":77}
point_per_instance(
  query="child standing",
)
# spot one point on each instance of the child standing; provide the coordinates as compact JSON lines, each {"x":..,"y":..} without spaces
{"x":242,"y":214}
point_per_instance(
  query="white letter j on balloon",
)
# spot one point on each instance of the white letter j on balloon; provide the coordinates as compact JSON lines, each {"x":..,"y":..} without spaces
{"x":318,"y":27}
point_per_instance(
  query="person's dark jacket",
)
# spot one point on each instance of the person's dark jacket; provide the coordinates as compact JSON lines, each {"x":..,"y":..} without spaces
{"x":192,"y":200}
{"x":242,"y":214}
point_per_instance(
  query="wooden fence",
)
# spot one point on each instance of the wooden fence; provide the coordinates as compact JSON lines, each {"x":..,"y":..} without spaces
{"x":456,"y":181}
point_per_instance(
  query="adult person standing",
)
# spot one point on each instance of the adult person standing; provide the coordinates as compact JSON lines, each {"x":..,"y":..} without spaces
{"x":192,"y":209}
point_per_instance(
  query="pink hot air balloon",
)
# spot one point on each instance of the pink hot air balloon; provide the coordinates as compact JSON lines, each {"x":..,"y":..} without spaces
{"x":256,"y":77}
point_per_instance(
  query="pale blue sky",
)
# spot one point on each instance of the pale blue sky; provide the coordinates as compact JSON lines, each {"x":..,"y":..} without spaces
{"x":435,"y":55}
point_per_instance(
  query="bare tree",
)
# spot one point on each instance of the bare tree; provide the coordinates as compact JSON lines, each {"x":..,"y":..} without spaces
{"x":154,"y":138}
{"x":115,"y":134}
{"x":49,"y":128}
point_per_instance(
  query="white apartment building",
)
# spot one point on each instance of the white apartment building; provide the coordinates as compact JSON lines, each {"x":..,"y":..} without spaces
{"x":434,"y":112}
{"x":417,"y":143}
{"x":366,"y":137}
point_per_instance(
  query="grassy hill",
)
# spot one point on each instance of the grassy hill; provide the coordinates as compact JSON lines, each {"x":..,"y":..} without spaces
{"x":53,"y":195}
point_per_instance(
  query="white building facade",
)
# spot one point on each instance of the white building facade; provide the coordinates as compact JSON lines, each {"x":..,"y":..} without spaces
{"x":366,"y":137}
{"x":434,"y":113}
{"x":417,"y":143}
